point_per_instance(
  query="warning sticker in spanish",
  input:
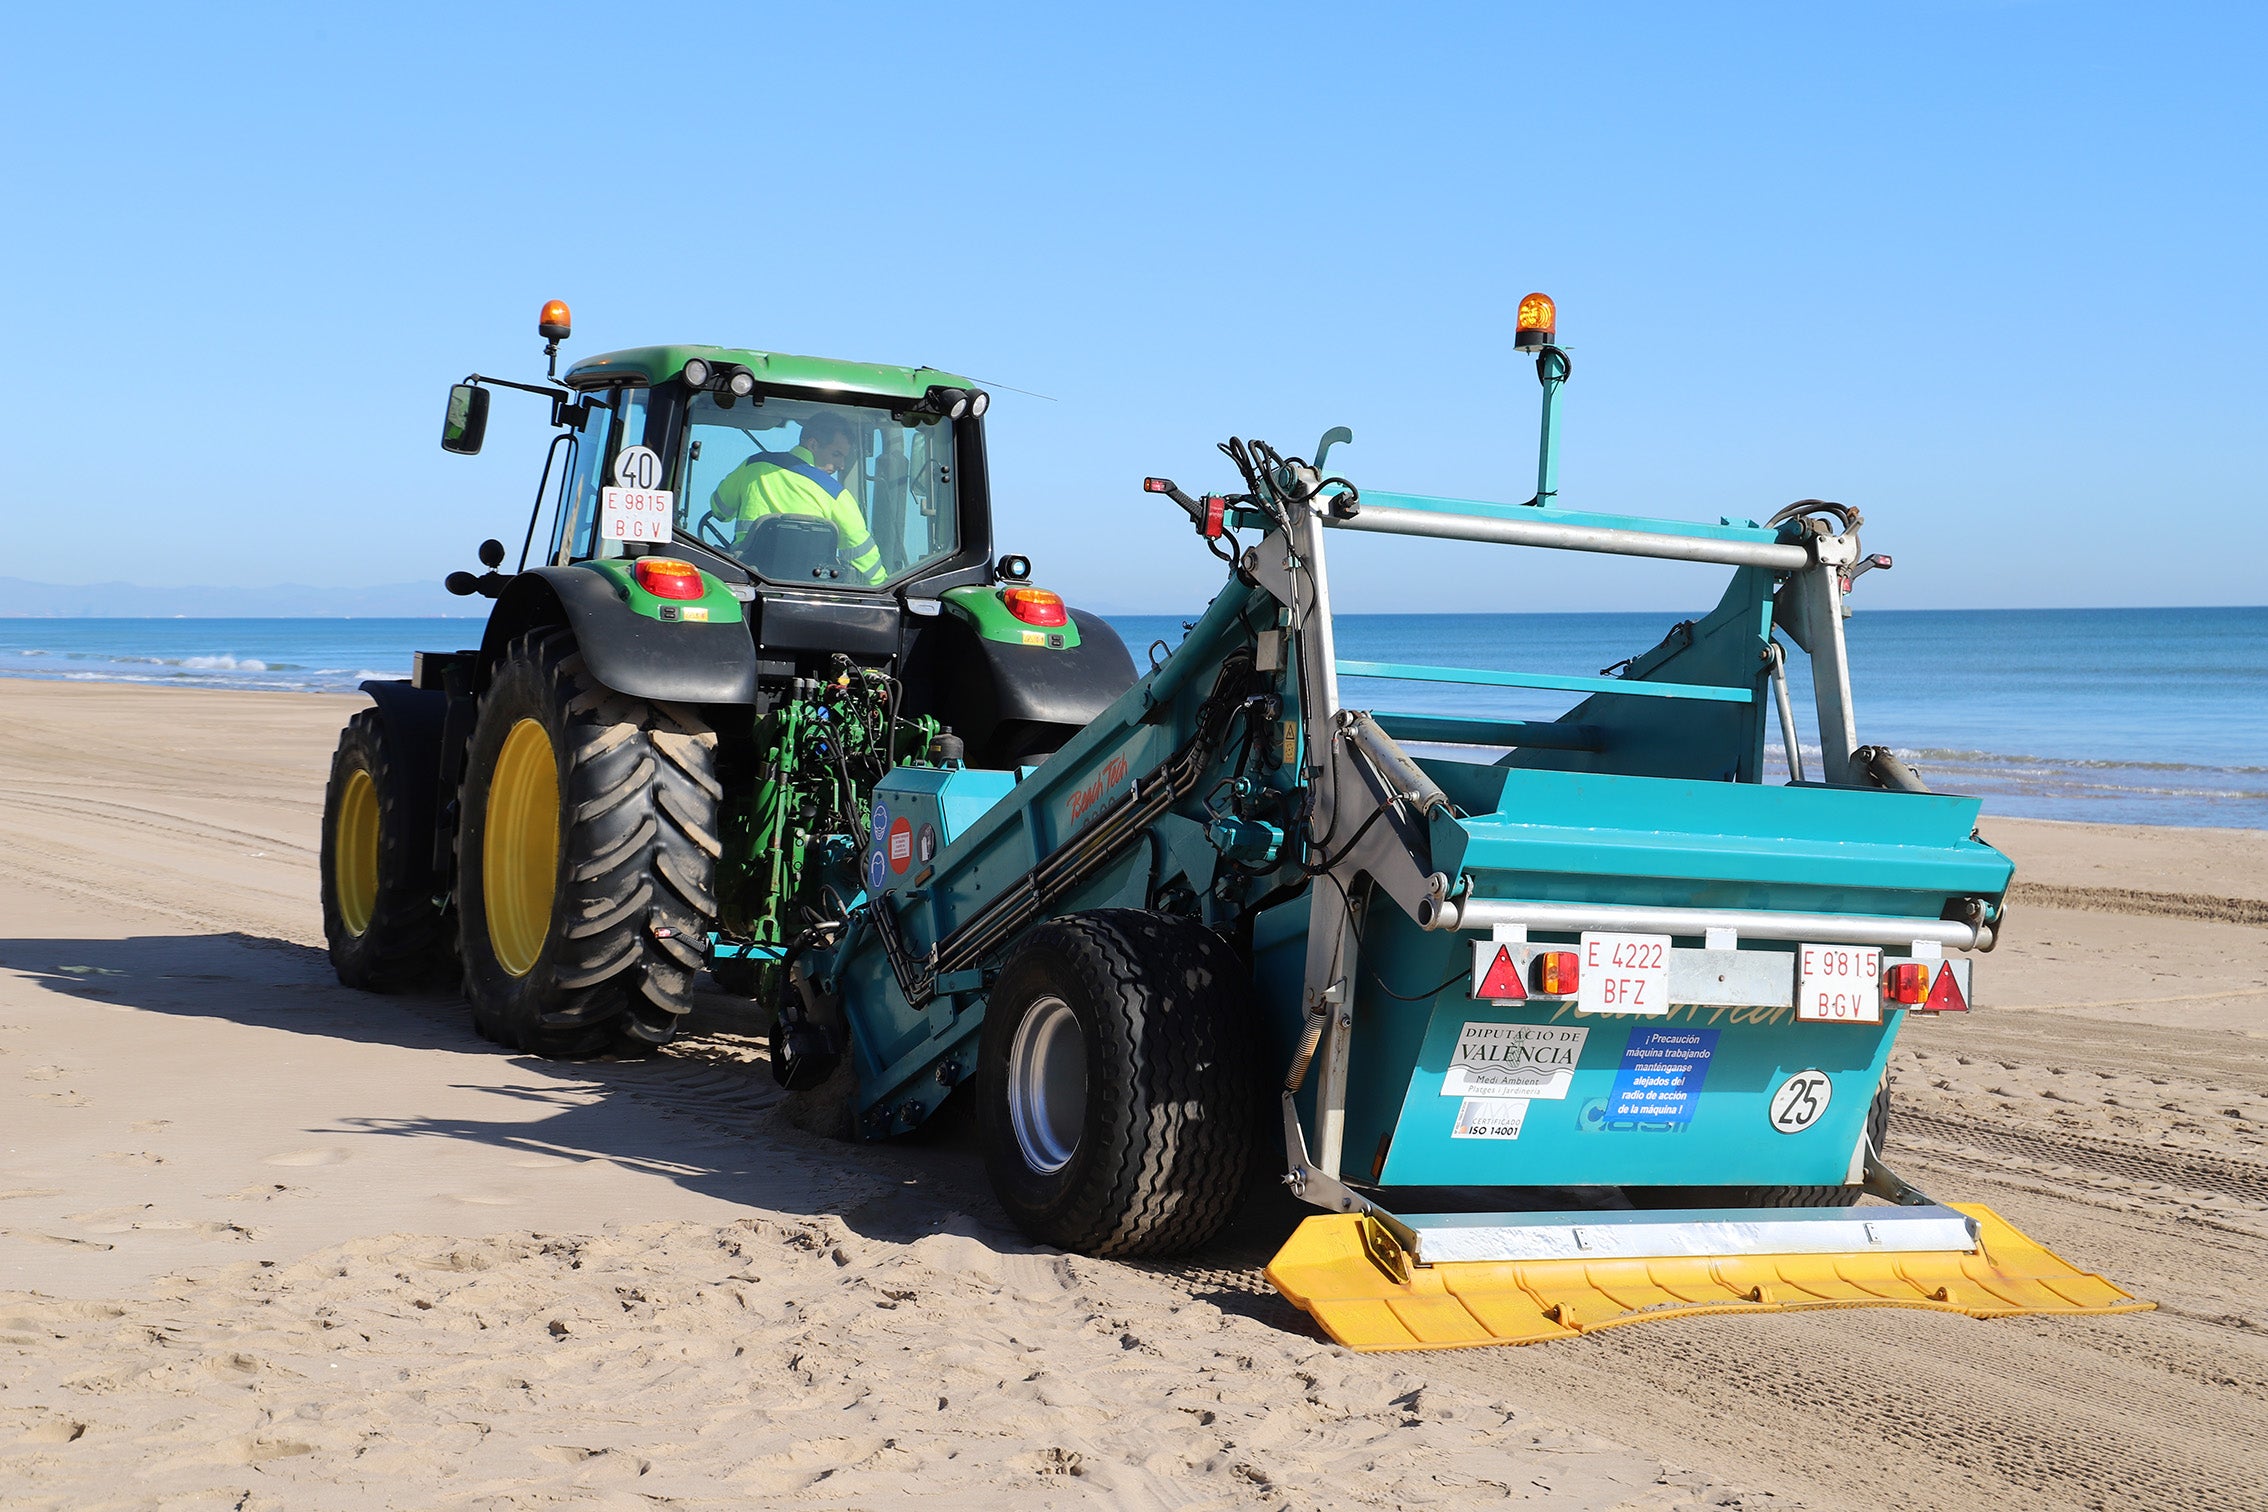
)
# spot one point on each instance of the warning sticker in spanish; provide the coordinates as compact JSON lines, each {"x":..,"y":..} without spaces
{"x":1661,"y":1074}
{"x":1489,"y":1118}
{"x":1514,"y":1060}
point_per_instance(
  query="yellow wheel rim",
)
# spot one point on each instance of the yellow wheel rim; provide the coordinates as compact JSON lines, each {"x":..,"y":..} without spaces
{"x":519,"y":848}
{"x":354,"y":851}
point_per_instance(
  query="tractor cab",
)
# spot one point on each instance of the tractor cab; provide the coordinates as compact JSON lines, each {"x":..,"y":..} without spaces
{"x":791,"y":472}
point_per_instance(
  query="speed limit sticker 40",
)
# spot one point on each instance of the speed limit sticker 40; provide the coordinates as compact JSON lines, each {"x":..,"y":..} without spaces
{"x":1800,"y":1101}
{"x":1839,"y":984}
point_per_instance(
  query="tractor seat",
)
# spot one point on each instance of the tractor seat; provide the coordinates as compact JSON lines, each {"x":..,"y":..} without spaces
{"x":792,"y":549}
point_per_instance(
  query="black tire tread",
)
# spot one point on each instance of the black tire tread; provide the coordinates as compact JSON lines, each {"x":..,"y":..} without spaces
{"x":1172,"y":1143}
{"x":639,"y":854}
{"x":407,"y":943}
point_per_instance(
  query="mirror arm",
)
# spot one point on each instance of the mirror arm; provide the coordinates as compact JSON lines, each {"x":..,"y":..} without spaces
{"x":562,"y":411}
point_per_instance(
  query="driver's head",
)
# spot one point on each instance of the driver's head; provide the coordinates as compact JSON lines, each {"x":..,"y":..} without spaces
{"x":827,"y":436}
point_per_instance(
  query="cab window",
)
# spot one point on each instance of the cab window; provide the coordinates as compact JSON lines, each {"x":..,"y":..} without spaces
{"x":814,"y":492}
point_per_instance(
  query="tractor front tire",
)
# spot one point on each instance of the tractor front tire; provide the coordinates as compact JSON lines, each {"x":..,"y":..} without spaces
{"x":586,"y":857}
{"x":1119,"y":1093}
{"x":382,"y":915}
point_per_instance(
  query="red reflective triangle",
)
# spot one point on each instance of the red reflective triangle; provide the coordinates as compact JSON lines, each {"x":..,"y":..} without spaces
{"x":1945,"y":993}
{"x":1501,"y":982}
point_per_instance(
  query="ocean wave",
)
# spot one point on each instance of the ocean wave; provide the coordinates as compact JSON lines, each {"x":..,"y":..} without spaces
{"x":214,"y":663}
{"x":2083,"y":763}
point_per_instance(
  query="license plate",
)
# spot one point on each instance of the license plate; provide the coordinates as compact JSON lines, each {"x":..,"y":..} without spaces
{"x":635,"y":514}
{"x":1839,"y":984}
{"x":1623,"y":973}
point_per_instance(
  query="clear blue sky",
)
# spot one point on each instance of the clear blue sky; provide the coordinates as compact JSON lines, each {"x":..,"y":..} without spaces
{"x":1991,"y":272}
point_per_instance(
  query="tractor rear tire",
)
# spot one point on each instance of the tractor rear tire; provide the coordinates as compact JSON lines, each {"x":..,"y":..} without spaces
{"x":382,"y":915}
{"x":1118,"y":1086}
{"x":586,"y":857}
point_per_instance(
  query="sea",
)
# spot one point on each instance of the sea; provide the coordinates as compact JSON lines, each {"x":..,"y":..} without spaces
{"x":2127,"y":716}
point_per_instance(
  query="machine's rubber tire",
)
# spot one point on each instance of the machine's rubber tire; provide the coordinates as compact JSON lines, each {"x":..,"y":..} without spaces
{"x":1877,"y":1130}
{"x":594,"y":946}
{"x":383,"y":916}
{"x":1169,"y":1113}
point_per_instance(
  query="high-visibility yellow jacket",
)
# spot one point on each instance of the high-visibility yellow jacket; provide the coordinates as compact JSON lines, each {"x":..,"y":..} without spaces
{"x":792,"y":482}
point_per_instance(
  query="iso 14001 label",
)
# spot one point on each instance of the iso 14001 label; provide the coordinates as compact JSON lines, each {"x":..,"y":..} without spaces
{"x":1489,"y":1118}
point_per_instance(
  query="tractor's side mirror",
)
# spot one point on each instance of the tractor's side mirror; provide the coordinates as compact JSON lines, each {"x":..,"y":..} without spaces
{"x":466,"y":424}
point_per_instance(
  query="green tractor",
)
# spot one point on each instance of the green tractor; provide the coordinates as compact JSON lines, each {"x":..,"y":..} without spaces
{"x":768,"y":580}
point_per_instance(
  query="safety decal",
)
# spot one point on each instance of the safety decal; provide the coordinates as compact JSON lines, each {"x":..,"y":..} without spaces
{"x":876,"y":872}
{"x":900,"y":845}
{"x":925,"y":844}
{"x":881,"y":821}
{"x":1513,"y":1060}
{"x":1660,"y":1077}
{"x":1496,"y":974}
{"x":1489,"y":1118}
{"x":1798,"y":1102}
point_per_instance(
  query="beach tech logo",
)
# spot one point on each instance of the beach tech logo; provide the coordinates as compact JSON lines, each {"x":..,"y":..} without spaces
{"x":1108,"y":781}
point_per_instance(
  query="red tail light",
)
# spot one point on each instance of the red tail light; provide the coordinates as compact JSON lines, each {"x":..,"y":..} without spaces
{"x":1216,"y":508}
{"x":1908,"y":983}
{"x":1034,"y":606}
{"x":1557,"y":972}
{"x":667,"y":577}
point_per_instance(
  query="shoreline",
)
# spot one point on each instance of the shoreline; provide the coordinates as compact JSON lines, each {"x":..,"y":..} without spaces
{"x":2176,"y":903}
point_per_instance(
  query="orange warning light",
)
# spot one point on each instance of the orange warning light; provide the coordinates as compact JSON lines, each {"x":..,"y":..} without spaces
{"x":1558,"y":972}
{"x":553,"y":324}
{"x":1538,"y":322}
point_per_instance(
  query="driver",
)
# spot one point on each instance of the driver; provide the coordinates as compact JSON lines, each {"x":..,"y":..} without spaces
{"x":810,"y":481}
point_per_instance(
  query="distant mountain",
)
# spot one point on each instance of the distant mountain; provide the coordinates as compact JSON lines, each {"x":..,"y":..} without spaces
{"x":26,"y":600}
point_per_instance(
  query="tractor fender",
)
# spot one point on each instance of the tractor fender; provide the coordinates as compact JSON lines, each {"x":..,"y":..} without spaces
{"x":1001,"y":697}
{"x":680,"y":662}
{"x":413,"y":718}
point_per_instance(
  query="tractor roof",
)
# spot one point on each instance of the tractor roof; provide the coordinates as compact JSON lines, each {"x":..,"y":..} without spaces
{"x":659,"y":364}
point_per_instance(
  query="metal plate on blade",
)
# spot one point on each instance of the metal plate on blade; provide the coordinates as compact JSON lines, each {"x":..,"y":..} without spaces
{"x":1446,"y":1238}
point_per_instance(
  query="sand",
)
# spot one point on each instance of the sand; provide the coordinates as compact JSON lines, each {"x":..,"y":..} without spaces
{"x":265,"y":1242}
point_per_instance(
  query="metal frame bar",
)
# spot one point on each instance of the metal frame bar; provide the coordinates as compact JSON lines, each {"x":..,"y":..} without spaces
{"x":1614,"y":540}
{"x":1751,"y":924}
{"x":1483,"y":677}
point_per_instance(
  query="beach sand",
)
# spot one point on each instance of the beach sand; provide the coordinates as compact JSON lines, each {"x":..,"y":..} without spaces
{"x":268,"y":1243}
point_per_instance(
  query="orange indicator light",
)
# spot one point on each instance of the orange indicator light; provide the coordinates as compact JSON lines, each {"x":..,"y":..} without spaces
{"x":1557,"y":972}
{"x":1907,"y":983}
{"x":553,"y":324}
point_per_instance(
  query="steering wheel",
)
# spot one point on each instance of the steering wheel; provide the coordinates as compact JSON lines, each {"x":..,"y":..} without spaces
{"x":709,"y":530}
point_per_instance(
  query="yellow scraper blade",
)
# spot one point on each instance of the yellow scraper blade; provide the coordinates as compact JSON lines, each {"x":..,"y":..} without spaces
{"x":1348,"y":1273}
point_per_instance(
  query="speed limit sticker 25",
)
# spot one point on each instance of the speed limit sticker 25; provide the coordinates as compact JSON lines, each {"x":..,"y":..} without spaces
{"x":1800,"y":1101}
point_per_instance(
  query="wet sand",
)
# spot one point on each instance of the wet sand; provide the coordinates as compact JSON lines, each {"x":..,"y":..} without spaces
{"x":265,"y":1242}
